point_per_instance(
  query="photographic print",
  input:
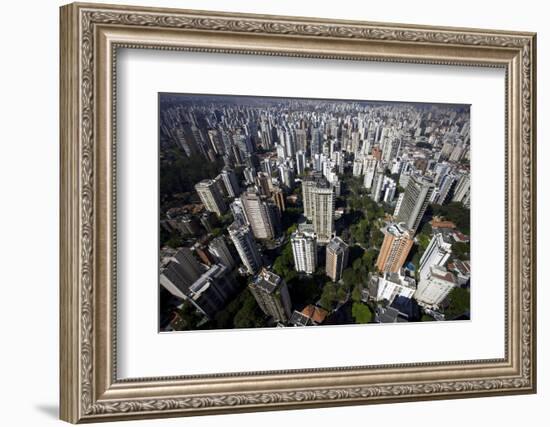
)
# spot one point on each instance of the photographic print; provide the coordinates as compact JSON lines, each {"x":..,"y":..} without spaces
{"x":288,"y":212}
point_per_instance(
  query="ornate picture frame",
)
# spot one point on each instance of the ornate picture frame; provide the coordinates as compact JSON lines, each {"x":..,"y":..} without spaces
{"x":90,"y":37}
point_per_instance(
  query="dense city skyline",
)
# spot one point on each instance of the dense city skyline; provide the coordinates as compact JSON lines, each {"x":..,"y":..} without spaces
{"x":305,"y":212}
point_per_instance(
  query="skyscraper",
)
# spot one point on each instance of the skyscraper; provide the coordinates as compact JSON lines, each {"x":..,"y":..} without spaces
{"x":263,"y":182}
{"x":271,"y":294}
{"x":462,"y":190}
{"x":315,"y":141}
{"x":377,"y":185}
{"x":358,"y":166}
{"x":436,"y":254}
{"x":323,"y":212}
{"x":336,"y":258}
{"x":445,"y":187}
{"x":220,"y":250}
{"x":246,"y":247}
{"x":259,"y":214}
{"x":307,"y":185}
{"x":304,"y":251}
{"x":239,"y":215}
{"x":287,"y":175}
{"x":369,"y":169}
{"x":210,"y":196}
{"x":415,"y":201}
{"x":300,"y":162}
{"x":279,"y":199}
{"x":395,"y":248}
{"x":230,"y":181}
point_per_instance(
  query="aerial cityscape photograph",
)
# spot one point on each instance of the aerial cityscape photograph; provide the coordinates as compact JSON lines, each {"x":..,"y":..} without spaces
{"x":286,"y":212}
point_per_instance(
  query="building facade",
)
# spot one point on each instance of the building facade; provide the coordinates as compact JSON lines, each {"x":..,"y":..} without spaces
{"x":432,"y":291}
{"x":259,"y":215}
{"x":323,"y":202}
{"x":336,"y":258}
{"x":304,"y":251}
{"x":415,"y":201}
{"x":395,"y":248}
{"x":436,"y":254}
{"x":219,"y":249}
{"x":211,"y":197}
{"x":271,"y":294}
{"x":388,"y":286}
{"x":242,"y":239}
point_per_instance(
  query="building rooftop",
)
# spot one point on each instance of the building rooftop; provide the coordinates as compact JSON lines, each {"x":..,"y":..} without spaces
{"x":205,"y":183}
{"x":400,"y":278}
{"x":299,"y":319}
{"x":396,"y":229}
{"x":438,"y":223}
{"x":317,"y":314}
{"x":304,"y":227}
{"x":442,"y":273}
{"x":215,"y":271}
{"x":462,"y":267}
{"x":267,"y":280}
{"x":336,"y":244}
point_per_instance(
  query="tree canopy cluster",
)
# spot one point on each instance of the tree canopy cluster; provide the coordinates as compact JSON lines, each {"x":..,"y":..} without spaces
{"x":458,"y":303}
{"x":361,"y":312}
{"x":180,"y":173}
{"x":455,"y":212}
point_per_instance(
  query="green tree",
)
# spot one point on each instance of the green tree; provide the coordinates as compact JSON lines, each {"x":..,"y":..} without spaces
{"x":341,"y":293}
{"x":377,"y":238}
{"x":350,"y":277}
{"x":189,"y":318}
{"x":174,"y":242}
{"x":284,"y":264}
{"x":249,"y":315}
{"x":361,"y":313}
{"x":461,"y":250}
{"x":356,"y":293}
{"x":456,"y":213}
{"x":369,"y":258}
{"x":328,"y":296}
{"x":458,"y":302}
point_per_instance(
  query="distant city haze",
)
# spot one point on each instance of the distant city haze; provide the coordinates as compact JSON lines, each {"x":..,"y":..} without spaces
{"x":291,"y":212}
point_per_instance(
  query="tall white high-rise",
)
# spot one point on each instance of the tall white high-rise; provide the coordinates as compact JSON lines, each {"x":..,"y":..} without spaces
{"x":219,"y":249}
{"x":377,"y":185}
{"x":462,"y":190}
{"x":210,"y":196}
{"x":307,"y":198}
{"x":444,"y":188}
{"x":358,"y":166}
{"x":304,"y":251}
{"x":436,"y":254}
{"x":259,"y":215}
{"x":230,"y":181}
{"x":300,"y":162}
{"x":243,"y":241}
{"x":398,"y":204}
{"x":369,"y":169}
{"x":415,"y":201}
{"x":323,"y":212}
